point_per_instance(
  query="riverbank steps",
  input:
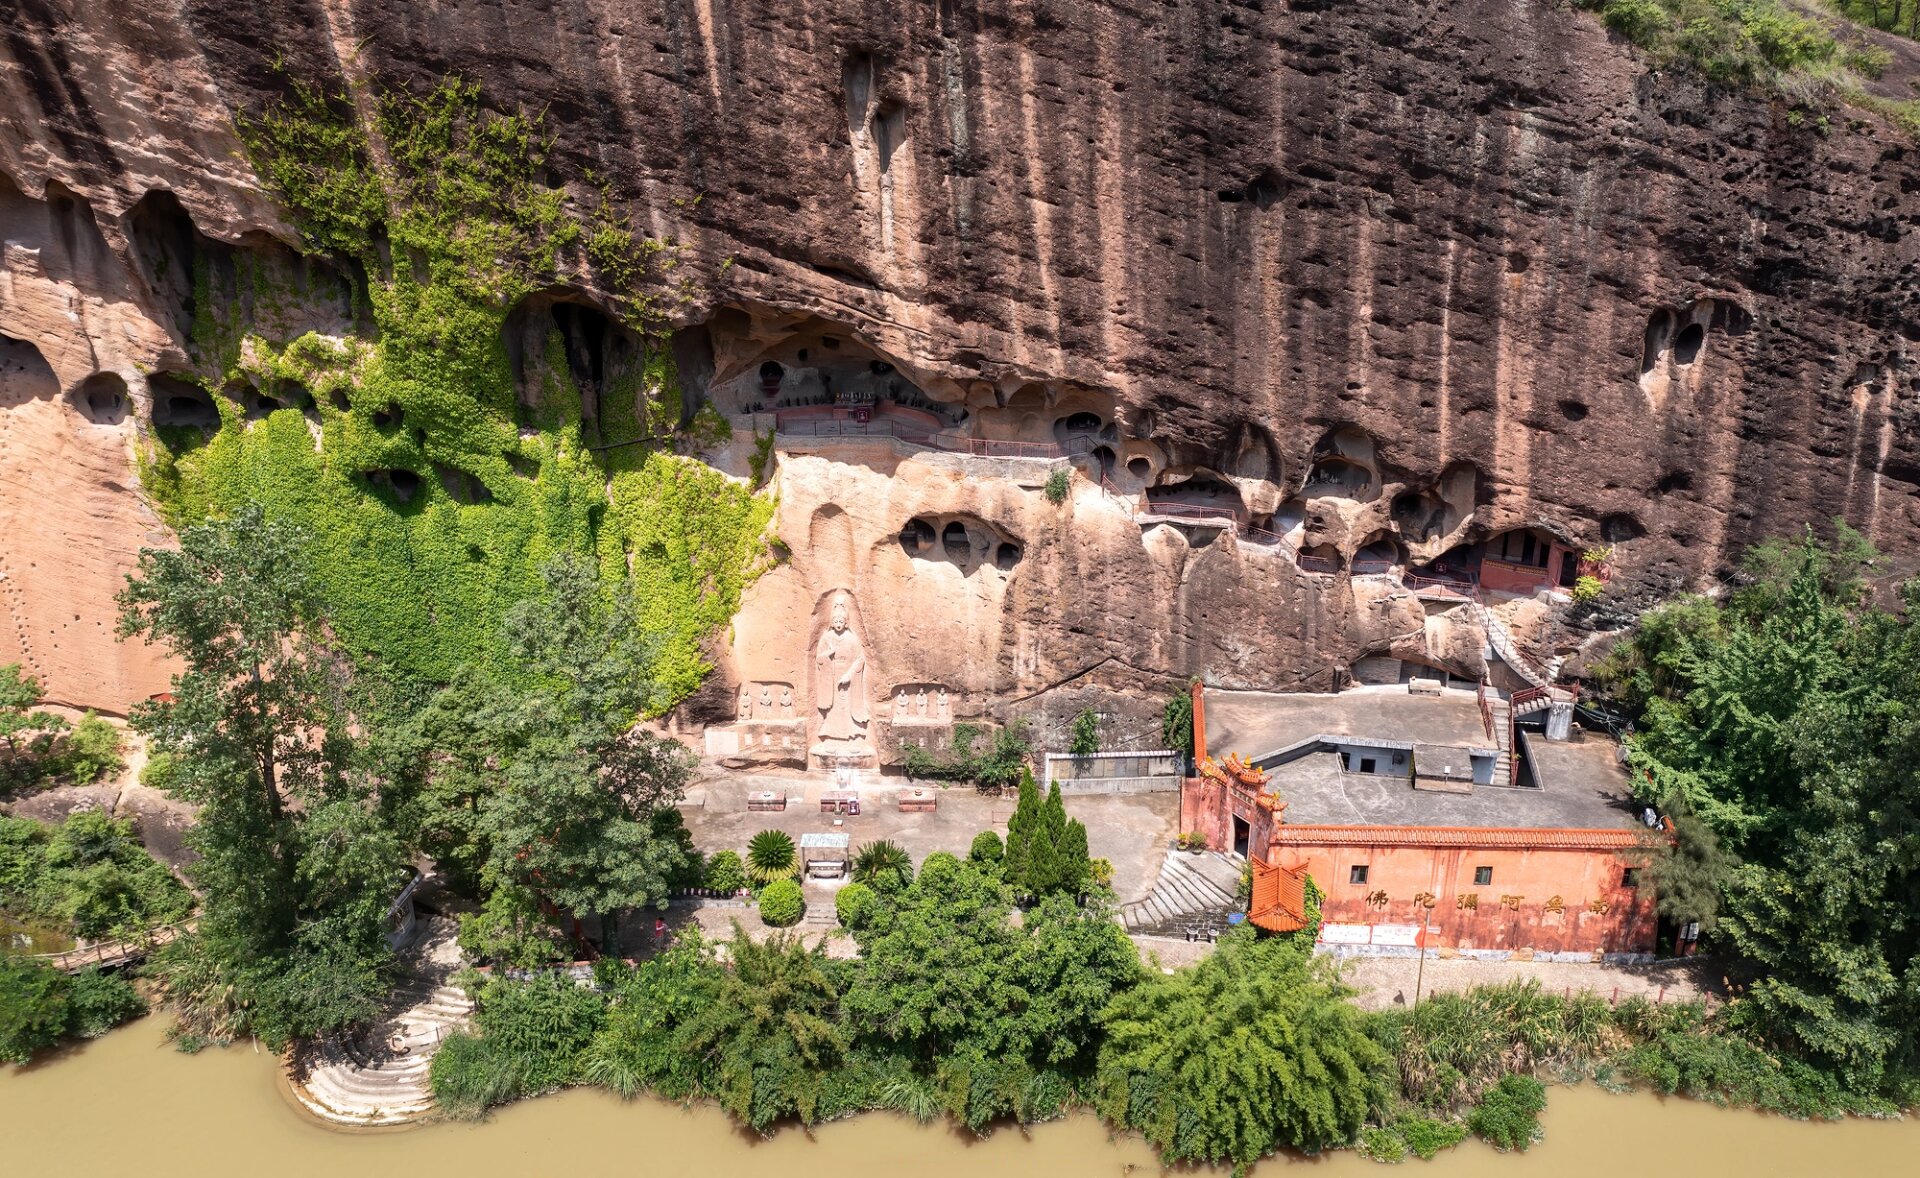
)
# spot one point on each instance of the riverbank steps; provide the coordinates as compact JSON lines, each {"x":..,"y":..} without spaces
{"x":379,"y":1076}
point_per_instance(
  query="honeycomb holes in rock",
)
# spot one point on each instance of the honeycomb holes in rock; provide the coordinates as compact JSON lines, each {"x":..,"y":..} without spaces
{"x":102,"y":398}
{"x":178,"y":402}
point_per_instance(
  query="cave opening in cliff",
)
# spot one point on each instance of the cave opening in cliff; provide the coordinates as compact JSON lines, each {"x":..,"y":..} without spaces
{"x":1338,"y":477}
{"x":1687,"y":344}
{"x":1621,"y":527}
{"x":339,"y":400}
{"x":1139,"y":466}
{"x":292,"y":393}
{"x":816,"y":375}
{"x":166,"y":248}
{"x":956,"y":542}
{"x":102,"y":398}
{"x":593,"y":356}
{"x":1006,"y":556}
{"x":1078,"y":431}
{"x":1202,"y":489}
{"x":1319,"y":558}
{"x":461,"y":486}
{"x":1379,"y":553}
{"x":254,"y":404}
{"x":397,"y":484}
{"x":1417,"y":514}
{"x":1252,"y":453}
{"x":916,"y":537}
{"x":388,"y":417}
{"x":179,"y":402}
{"x":1344,"y":466}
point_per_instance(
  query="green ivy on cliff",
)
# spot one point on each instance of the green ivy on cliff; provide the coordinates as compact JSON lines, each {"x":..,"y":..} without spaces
{"x":434,"y":493}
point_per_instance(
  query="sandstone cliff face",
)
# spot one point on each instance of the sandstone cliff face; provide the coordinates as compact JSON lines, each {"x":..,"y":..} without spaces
{"x":1476,"y":236}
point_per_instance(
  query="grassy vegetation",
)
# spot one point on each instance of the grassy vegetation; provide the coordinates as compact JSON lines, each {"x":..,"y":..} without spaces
{"x":88,"y":875}
{"x":453,"y":223}
{"x":1767,"y":45}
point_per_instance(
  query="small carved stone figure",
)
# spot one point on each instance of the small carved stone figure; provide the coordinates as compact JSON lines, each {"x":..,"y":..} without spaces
{"x":900,"y":705}
{"x":920,"y":703}
{"x":786,"y":701}
{"x":766,"y":700}
{"x":945,"y":709}
{"x":746,"y":701}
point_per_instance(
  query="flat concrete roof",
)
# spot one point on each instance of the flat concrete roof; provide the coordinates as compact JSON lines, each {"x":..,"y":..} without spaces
{"x":1255,"y":723}
{"x":1317,"y":791}
{"x":1582,"y":783}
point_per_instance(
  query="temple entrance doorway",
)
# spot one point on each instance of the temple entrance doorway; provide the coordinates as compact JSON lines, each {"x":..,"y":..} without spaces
{"x":1242,"y":835}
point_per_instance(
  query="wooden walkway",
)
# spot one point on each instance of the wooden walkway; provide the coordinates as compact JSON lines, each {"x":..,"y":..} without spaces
{"x":113,"y":954}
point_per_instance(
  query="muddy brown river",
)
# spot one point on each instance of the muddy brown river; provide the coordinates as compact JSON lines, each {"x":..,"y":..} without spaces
{"x":130,"y":1104}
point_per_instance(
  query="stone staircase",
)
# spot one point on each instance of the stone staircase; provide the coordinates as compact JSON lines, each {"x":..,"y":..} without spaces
{"x":379,"y":1076}
{"x":1192,"y":890}
{"x":1502,"y":713}
{"x":1500,"y":642}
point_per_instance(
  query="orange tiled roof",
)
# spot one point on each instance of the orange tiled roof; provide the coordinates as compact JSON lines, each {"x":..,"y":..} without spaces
{"x":1279,"y":902}
{"x":1296,"y":834}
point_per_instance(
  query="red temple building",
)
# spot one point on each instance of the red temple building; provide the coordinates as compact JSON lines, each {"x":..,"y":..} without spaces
{"x":1402,"y":809}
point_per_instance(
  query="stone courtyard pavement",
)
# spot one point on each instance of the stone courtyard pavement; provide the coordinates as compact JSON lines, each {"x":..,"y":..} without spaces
{"x":1132,"y":831}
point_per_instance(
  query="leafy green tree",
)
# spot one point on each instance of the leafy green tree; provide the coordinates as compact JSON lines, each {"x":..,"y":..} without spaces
{"x":884,"y":866}
{"x":28,"y":734}
{"x":33,"y":1007}
{"x":1084,"y":739}
{"x":561,"y":786}
{"x":761,"y":1036}
{"x":855,"y":905}
{"x":291,"y":935}
{"x":1784,"y":719}
{"x":1254,"y":1049}
{"x":532,"y":1035}
{"x":987,"y":851}
{"x":991,"y":1019}
{"x":769,"y":1029}
{"x":1689,"y":875}
{"x":1021,"y":827}
{"x":1075,"y":866}
{"x":725,"y":873}
{"x":933,"y":971}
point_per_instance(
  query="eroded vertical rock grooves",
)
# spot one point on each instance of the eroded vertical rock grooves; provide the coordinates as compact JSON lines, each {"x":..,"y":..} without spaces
{"x":1384,"y":281}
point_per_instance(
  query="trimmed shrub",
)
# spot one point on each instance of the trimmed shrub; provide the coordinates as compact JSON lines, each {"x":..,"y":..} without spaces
{"x":987,"y":849}
{"x":782,"y":903}
{"x":725,"y":872}
{"x":855,"y":905}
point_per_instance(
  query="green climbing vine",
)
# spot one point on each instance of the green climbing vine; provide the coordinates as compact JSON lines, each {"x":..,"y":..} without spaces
{"x":433,"y":489}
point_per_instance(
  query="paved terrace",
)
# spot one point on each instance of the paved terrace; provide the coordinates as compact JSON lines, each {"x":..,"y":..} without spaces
{"x":1132,"y":831}
{"x":1583,"y":785}
{"x":1255,"y":723}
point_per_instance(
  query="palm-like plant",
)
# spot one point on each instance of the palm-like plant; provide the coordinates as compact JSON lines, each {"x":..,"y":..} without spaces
{"x":883,"y":865}
{"x":770,"y":856}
